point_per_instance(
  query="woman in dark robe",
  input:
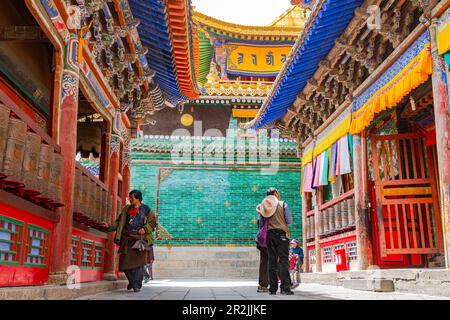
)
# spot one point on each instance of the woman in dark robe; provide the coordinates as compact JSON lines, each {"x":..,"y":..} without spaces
{"x":135,"y":222}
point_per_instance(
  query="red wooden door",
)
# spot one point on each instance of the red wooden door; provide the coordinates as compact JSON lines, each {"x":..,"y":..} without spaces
{"x":407,"y":206}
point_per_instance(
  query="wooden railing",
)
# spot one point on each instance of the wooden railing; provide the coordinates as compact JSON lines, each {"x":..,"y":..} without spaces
{"x":30,"y":160}
{"x":92,"y":201}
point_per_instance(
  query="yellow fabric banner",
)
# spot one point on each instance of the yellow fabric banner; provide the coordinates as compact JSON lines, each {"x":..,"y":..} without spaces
{"x":245,"y":113}
{"x":415,"y":73}
{"x":256,"y":60}
{"x":443,"y":39}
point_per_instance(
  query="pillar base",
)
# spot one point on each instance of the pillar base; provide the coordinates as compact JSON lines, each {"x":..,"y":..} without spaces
{"x":110,"y":277}
{"x":58,"y":278}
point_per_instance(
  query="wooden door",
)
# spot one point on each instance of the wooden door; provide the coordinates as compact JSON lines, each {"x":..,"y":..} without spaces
{"x":407,"y":205}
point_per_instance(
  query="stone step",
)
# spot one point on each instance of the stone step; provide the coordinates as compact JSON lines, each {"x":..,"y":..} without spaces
{"x":206,"y":262}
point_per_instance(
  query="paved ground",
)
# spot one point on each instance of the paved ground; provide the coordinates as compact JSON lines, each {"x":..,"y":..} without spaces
{"x":244,"y":290}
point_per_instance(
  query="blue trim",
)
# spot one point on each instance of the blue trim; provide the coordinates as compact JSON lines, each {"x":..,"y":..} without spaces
{"x":330,"y":22}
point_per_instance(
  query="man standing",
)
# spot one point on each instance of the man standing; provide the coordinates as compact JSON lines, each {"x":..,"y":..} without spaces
{"x":279,"y":218}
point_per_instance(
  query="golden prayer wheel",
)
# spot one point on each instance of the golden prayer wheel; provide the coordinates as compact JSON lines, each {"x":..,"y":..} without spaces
{"x":344,"y":211}
{"x":15,"y":149}
{"x":85,"y":199}
{"x":323,"y":216}
{"x":338,"y":216}
{"x":31,"y":162}
{"x":351,"y":211}
{"x":56,"y":176}
{"x":4,"y":119}
{"x":78,"y":189}
{"x":44,"y":171}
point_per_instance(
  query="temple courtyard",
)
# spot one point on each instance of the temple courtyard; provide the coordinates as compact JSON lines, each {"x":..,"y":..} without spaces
{"x":185,"y":289}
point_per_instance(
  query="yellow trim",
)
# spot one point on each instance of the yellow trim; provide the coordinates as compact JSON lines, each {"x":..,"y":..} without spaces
{"x":245,"y":113}
{"x":443,"y":40}
{"x":341,"y":129}
{"x":414,"y":74}
{"x":307,"y":157}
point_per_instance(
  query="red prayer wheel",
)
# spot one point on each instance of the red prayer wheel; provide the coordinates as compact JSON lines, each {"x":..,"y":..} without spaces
{"x":15,"y":149}
{"x":4,"y":119}
{"x":44,"y":172}
{"x":31,"y":161}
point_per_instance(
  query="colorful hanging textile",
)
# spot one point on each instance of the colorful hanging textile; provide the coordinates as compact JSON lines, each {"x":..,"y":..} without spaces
{"x":338,"y":152}
{"x":410,"y":70}
{"x":443,"y":33}
{"x":324,"y":169}
{"x":307,"y":177}
{"x":333,"y":162}
{"x":315,"y":183}
{"x":344,"y":156}
{"x":335,"y":130}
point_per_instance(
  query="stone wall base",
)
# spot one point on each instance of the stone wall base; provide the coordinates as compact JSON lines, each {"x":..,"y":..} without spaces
{"x":421,"y":281}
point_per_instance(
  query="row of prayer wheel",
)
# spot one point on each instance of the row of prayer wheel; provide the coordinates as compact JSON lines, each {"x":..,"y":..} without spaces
{"x":91,"y":199}
{"x":310,"y":229}
{"x":337,"y":217}
{"x":27,"y":161}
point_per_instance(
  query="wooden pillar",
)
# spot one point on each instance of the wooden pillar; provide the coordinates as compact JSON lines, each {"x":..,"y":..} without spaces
{"x":363,"y":235}
{"x":110,"y":252}
{"x":67,"y":140}
{"x":316,"y":199}
{"x":441,"y":89}
{"x":304,"y":230}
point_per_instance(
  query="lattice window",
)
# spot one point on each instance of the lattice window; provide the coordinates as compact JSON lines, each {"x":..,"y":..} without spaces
{"x":37,"y":246}
{"x":99,"y":256}
{"x":87,"y":254}
{"x":75,"y":251}
{"x":327,"y":254}
{"x":11,"y":237}
{"x":312,"y":256}
{"x":352,"y":252}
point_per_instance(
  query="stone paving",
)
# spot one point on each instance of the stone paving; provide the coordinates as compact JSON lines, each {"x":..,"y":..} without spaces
{"x":245,"y":290}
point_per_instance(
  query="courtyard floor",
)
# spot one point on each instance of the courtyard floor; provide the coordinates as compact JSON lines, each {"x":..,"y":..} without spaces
{"x":245,"y":290}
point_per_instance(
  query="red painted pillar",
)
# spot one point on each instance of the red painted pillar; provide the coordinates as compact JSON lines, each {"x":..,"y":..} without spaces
{"x":317,"y":201}
{"x":126,"y":175}
{"x":363,"y":235}
{"x":60,"y":259}
{"x":441,"y":80}
{"x":110,"y":252}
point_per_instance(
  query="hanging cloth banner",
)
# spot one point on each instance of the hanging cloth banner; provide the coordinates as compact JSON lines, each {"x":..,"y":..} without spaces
{"x":443,"y":33}
{"x":333,"y":162}
{"x":315,"y":182}
{"x":409,"y":71}
{"x":324,"y":169}
{"x":344,"y":156}
{"x":307,"y":177}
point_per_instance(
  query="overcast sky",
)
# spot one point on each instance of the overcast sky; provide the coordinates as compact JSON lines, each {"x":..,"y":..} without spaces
{"x":246,"y":12}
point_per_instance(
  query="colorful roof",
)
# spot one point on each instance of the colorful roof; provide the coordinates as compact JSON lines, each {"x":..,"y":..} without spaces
{"x":328,"y":20}
{"x":237,"y":31}
{"x":165,"y":30}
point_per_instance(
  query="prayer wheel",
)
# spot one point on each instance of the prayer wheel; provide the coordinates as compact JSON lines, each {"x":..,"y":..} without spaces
{"x":44,"y":172}
{"x":4,"y":119}
{"x":98,"y":202}
{"x":31,"y":161}
{"x":326,"y":220}
{"x":313,"y":227}
{"x":56,"y":177}
{"x":85,"y":200}
{"x":351,"y":211}
{"x":322,"y":222}
{"x":78,"y":193}
{"x":15,"y":149}
{"x":331,"y":219}
{"x":93,"y":199}
{"x":337,"y":216}
{"x":344,"y":211}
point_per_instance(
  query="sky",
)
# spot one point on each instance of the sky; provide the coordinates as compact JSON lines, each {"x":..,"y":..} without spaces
{"x":245,"y":12}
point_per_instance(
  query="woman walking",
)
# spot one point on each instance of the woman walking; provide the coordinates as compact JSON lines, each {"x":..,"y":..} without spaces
{"x":135,"y":222}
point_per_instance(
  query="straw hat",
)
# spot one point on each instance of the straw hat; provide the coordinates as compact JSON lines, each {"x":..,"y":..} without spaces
{"x":268,"y":206}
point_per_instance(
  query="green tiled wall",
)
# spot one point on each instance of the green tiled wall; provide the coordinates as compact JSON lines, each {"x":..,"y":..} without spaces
{"x":214,"y":205}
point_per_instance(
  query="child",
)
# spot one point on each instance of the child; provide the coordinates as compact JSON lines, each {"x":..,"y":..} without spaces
{"x":295,"y":262}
